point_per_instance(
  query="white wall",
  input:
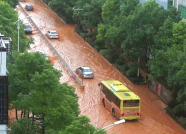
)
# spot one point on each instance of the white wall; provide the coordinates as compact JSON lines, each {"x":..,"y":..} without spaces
{"x":4,"y":129}
{"x":163,"y":3}
{"x":2,"y":63}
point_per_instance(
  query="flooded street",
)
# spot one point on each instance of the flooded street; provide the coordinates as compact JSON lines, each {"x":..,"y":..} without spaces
{"x":77,"y":52}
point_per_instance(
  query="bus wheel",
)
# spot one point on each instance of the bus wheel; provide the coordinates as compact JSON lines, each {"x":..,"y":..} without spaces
{"x":113,"y":112}
{"x":103,"y":101}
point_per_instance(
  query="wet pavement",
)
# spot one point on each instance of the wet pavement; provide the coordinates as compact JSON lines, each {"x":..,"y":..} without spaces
{"x":77,"y":52}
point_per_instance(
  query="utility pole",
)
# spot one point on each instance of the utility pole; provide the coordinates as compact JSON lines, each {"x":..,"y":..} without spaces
{"x":138,"y":71}
{"x":18,"y":28}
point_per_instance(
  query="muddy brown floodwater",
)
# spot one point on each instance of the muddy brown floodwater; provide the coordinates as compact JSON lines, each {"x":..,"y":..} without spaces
{"x":77,"y":52}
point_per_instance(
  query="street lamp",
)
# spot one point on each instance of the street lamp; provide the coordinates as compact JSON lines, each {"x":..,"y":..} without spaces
{"x":110,"y":126}
{"x":18,"y":27}
{"x":138,"y":71}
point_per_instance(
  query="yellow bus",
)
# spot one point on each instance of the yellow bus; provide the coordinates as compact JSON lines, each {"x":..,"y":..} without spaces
{"x":120,"y":100}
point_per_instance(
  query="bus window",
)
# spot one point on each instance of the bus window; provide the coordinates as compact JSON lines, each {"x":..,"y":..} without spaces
{"x":131,"y":103}
{"x":107,"y":93}
{"x":116,"y":101}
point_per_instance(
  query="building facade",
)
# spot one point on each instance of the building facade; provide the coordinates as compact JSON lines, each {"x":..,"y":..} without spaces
{"x":180,"y":5}
{"x":5,"y":48}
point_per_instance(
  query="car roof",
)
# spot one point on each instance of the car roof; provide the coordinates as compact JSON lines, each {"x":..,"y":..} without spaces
{"x":26,"y":24}
{"x":52,"y":30}
{"x":29,"y":5}
{"x":85,"y":67}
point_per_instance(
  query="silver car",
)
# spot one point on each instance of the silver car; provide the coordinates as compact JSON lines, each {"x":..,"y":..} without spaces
{"x":52,"y":34}
{"x":85,"y":72}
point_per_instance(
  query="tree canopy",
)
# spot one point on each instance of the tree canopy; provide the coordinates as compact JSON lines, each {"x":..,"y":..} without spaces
{"x":45,"y":105}
{"x":8,"y":26}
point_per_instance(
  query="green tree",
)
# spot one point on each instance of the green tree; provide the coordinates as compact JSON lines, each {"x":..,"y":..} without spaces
{"x":21,"y":68}
{"x":163,"y":39}
{"x":90,"y":16}
{"x":63,"y":8}
{"x":8,"y":26}
{"x":173,"y":67}
{"x":141,"y":27}
{"x":54,"y":103}
{"x":171,"y":49}
{"x":159,"y":68}
{"x":39,"y":95}
{"x":13,"y":3}
{"x":78,"y":15}
{"x":112,"y":31}
{"x":88,"y":19}
{"x":81,"y":126}
{"x":46,"y":105}
{"x":23,"y":126}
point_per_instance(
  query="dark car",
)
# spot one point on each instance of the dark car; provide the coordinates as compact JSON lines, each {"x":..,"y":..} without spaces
{"x":29,"y":7}
{"x":27,"y":28}
{"x":85,"y":72}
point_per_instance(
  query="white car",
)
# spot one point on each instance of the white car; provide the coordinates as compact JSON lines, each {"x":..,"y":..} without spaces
{"x":85,"y":72}
{"x":52,"y":34}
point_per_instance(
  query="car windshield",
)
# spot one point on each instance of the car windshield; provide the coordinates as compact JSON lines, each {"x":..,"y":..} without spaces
{"x":27,"y":27}
{"x":87,"y":70}
{"x":53,"y":33}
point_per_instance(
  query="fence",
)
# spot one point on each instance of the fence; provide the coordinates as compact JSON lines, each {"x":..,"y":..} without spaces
{"x":161,"y":91}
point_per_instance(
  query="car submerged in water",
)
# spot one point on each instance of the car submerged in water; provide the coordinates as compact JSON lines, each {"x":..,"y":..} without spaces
{"x":29,"y":7}
{"x":43,"y":54}
{"x":52,"y":34}
{"x":27,"y":28}
{"x":85,"y":72}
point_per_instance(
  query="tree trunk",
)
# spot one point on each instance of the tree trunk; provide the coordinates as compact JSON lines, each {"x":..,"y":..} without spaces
{"x":21,"y":114}
{"x":16,"y":115}
{"x":43,"y":128}
{"x":28,"y":114}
